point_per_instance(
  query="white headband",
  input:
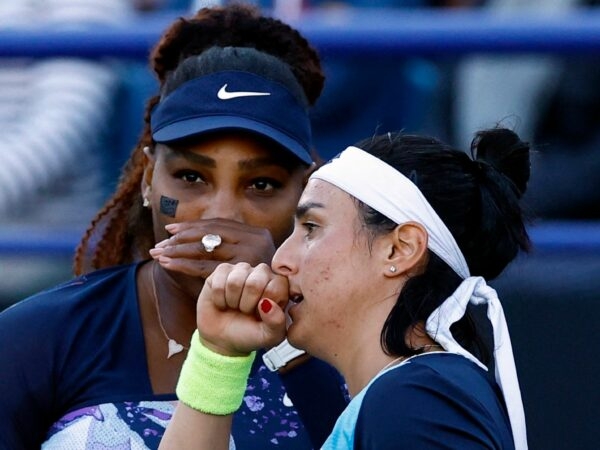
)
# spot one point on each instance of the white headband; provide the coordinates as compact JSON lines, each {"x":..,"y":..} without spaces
{"x":389,"y":192}
{"x":386,"y":190}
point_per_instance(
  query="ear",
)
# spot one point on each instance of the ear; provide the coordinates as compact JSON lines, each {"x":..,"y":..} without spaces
{"x":406,"y":248}
{"x":149,"y":160}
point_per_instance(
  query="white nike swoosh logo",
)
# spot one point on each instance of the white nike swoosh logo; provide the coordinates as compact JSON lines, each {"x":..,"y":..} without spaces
{"x":223,"y":94}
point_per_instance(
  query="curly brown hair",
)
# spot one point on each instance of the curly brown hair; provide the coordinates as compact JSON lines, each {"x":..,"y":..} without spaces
{"x":122,"y":230}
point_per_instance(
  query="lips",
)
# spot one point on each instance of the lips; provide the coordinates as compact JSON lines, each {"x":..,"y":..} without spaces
{"x":296,"y":298}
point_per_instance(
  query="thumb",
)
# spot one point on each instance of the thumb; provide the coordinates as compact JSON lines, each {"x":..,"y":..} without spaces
{"x":273,"y":321}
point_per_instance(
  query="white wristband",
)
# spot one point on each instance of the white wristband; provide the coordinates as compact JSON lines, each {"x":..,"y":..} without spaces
{"x":279,"y":356}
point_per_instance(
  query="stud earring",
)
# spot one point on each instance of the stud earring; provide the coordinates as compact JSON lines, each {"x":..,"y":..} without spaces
{"x":393,"y":269}
{"x":146,"y":203}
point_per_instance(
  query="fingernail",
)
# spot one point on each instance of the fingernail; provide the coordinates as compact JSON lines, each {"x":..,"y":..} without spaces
{"x":156,"y":252}
{"x":162,"y":243}
{"x":265,"y":305}
{"x":171,"y":227}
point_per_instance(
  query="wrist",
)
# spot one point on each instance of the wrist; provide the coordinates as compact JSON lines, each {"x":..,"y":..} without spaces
{"x":220,"y":350}
{"x":213,"y":383}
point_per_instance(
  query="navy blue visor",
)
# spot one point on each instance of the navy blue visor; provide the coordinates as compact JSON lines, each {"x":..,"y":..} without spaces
{"x":233,"y":100}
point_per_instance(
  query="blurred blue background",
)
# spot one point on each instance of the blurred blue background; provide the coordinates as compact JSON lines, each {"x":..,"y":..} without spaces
{"x":74,"y":82}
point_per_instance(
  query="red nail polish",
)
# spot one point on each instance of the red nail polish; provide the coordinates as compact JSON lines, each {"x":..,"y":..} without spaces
{"x":265,"y":305}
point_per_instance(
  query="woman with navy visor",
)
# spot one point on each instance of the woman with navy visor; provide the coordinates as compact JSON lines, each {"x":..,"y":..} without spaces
{"x":392,"y":245}
{"x":216,"y":176}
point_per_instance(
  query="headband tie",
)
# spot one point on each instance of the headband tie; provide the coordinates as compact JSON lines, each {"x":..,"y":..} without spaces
{"x":475,"y":290}
{"x":389,"y":192}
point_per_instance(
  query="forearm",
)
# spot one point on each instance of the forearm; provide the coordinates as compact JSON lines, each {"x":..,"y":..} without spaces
{"x":192,"y":429}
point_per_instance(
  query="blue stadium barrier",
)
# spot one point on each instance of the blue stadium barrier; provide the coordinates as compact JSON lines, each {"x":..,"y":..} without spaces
{"x":39,"y":241}
{"x":366,"y":33}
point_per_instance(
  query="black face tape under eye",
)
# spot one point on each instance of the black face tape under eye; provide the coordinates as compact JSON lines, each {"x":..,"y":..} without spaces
{"x":168,"y":206}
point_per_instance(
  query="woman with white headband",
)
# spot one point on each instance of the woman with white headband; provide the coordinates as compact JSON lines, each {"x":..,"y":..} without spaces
{"x":392,"y":246}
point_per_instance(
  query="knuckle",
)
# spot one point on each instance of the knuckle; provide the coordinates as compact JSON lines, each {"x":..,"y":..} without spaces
{"x":235,"y":282}
{"x":243,"y":266}
{"x":255,"y":284}
{"x":223,"y":269}
{"x":278,"y":289}
{"x":218,"y":290}
{"x":264,"y":267}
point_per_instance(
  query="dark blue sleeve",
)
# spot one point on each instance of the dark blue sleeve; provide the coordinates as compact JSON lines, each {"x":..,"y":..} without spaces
{"x":26,"y":383}
{"x":425,"y":410}
{"x":319,"y":394}
{"x":48,"y":349}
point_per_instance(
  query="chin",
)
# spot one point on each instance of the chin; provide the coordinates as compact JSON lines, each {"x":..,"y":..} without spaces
{"x":294,"y":337}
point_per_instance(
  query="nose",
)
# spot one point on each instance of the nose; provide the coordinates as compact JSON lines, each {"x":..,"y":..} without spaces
{"x":282,"y":262}
{"x":223,"y":204}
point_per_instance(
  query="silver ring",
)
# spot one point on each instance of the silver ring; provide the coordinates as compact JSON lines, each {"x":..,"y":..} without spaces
{"x":211,"y":241}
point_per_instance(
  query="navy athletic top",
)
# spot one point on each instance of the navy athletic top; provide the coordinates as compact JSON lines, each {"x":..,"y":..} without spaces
{"x":74,"y":376}
{"x":431,"y":401}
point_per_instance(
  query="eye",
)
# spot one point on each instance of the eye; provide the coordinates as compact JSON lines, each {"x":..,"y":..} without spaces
{"x":265,"y":185}
{"x":189,"y":176}
{"x":309,"y":227}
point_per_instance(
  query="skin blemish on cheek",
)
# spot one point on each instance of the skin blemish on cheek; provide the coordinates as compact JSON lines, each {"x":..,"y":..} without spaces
{"x":168,"y":206}
{"x":326,"y":274}
{"x":335,"y":324}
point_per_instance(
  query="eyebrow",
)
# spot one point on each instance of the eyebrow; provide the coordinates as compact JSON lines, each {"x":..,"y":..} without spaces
{"x":195,"y":158}
{"x":303,"y":208}
{"x":257,"y":163}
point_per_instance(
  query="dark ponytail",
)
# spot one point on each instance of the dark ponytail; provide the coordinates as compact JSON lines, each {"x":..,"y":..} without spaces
{"x":502,"y":168}
{"x":503,"y":150}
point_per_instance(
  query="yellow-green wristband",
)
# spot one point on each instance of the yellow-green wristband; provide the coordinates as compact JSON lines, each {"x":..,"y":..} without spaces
{"x":213,"y":383}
